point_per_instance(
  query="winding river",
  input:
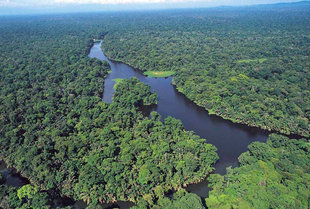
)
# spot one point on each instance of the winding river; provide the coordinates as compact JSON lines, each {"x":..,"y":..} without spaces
{"x":230,"y":139}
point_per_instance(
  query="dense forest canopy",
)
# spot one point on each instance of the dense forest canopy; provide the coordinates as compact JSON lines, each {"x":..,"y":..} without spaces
{"x":251,"y":65}
{"x":248,"y":65}
{"x":275,"y":174}
{"x":57,"y":132}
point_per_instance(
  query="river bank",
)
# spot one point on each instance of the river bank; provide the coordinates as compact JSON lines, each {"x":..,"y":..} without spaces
{"x":230,"y":138}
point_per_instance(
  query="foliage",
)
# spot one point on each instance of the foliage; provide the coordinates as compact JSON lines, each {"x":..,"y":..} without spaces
{"x":134,"y":92}
{"x":179,"y":200}
{"x":58,"y":133}
{"x":27,"y":191}
{"x":251,"y":66}
{"x":261,"y":60}
{"x":275,"y":174}
{"x":25,"y":197}
{"x":56,"y":130}
{"x":159,"y":74}
{"x":117,"y":81}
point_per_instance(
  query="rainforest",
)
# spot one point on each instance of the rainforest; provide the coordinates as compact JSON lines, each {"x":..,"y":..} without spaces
{"x":186,"y":108}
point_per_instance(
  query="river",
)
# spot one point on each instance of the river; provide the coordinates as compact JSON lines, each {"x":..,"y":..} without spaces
{"x":230,"y":139}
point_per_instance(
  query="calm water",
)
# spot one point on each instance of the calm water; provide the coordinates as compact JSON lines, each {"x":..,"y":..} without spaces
{"x":12,"y":178}
{"x":230,"y":139}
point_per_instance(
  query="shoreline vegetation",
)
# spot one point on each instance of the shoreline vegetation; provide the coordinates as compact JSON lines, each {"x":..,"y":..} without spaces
{"x":155,"y":74}
{"x":57,"y":131}
{"x":238,"y":120}
{"x":210,"y":112}
{"x":117,"y":82}
{"x":261,"y":81}
{"x":274,"y":174}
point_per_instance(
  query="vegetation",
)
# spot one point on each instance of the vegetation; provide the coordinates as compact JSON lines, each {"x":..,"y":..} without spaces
{"x":180,"y":200}
{"x":134,"y":92}
{"x":117,"y":81}
{"x":275,"y":174}
{"x":250,"y":66}
{"x":58,"y":133}
{"x":261,"y":60}
{"x":26,"y":197}
{"x":159,"y":74}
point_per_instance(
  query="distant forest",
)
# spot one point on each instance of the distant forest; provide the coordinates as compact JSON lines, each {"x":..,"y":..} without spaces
{"x":250,"y":66}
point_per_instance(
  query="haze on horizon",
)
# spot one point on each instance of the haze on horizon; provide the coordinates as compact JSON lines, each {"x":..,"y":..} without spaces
{"x":13,"y":7}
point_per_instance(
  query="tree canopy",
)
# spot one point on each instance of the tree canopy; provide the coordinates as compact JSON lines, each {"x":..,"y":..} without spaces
{"x":275,"y":174}
{"x":250,"y":66}
{"x":57,"y":131}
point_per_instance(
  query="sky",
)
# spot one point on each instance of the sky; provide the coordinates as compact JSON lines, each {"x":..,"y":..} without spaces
{"x":8,"y":7}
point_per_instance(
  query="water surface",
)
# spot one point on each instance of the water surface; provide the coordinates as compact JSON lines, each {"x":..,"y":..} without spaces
{"x":11,"y":177}
{"x":230,"y":139}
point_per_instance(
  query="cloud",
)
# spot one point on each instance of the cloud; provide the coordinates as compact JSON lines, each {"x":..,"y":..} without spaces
{"x":121,"y":1}
{"x":25,"y":2}
{"x":81,"y":2}
{"x":4,"y":2}
{"x":62,"y":3}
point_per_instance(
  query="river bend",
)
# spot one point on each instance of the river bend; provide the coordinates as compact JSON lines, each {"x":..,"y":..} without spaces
{"x":230,"y":139}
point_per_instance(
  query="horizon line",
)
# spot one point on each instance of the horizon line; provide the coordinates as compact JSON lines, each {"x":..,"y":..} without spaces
{"x":81,"y":9}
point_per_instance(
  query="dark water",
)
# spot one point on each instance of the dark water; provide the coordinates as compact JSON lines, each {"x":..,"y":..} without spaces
{"x":12,"y":178}
{"x":230,"y":139}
